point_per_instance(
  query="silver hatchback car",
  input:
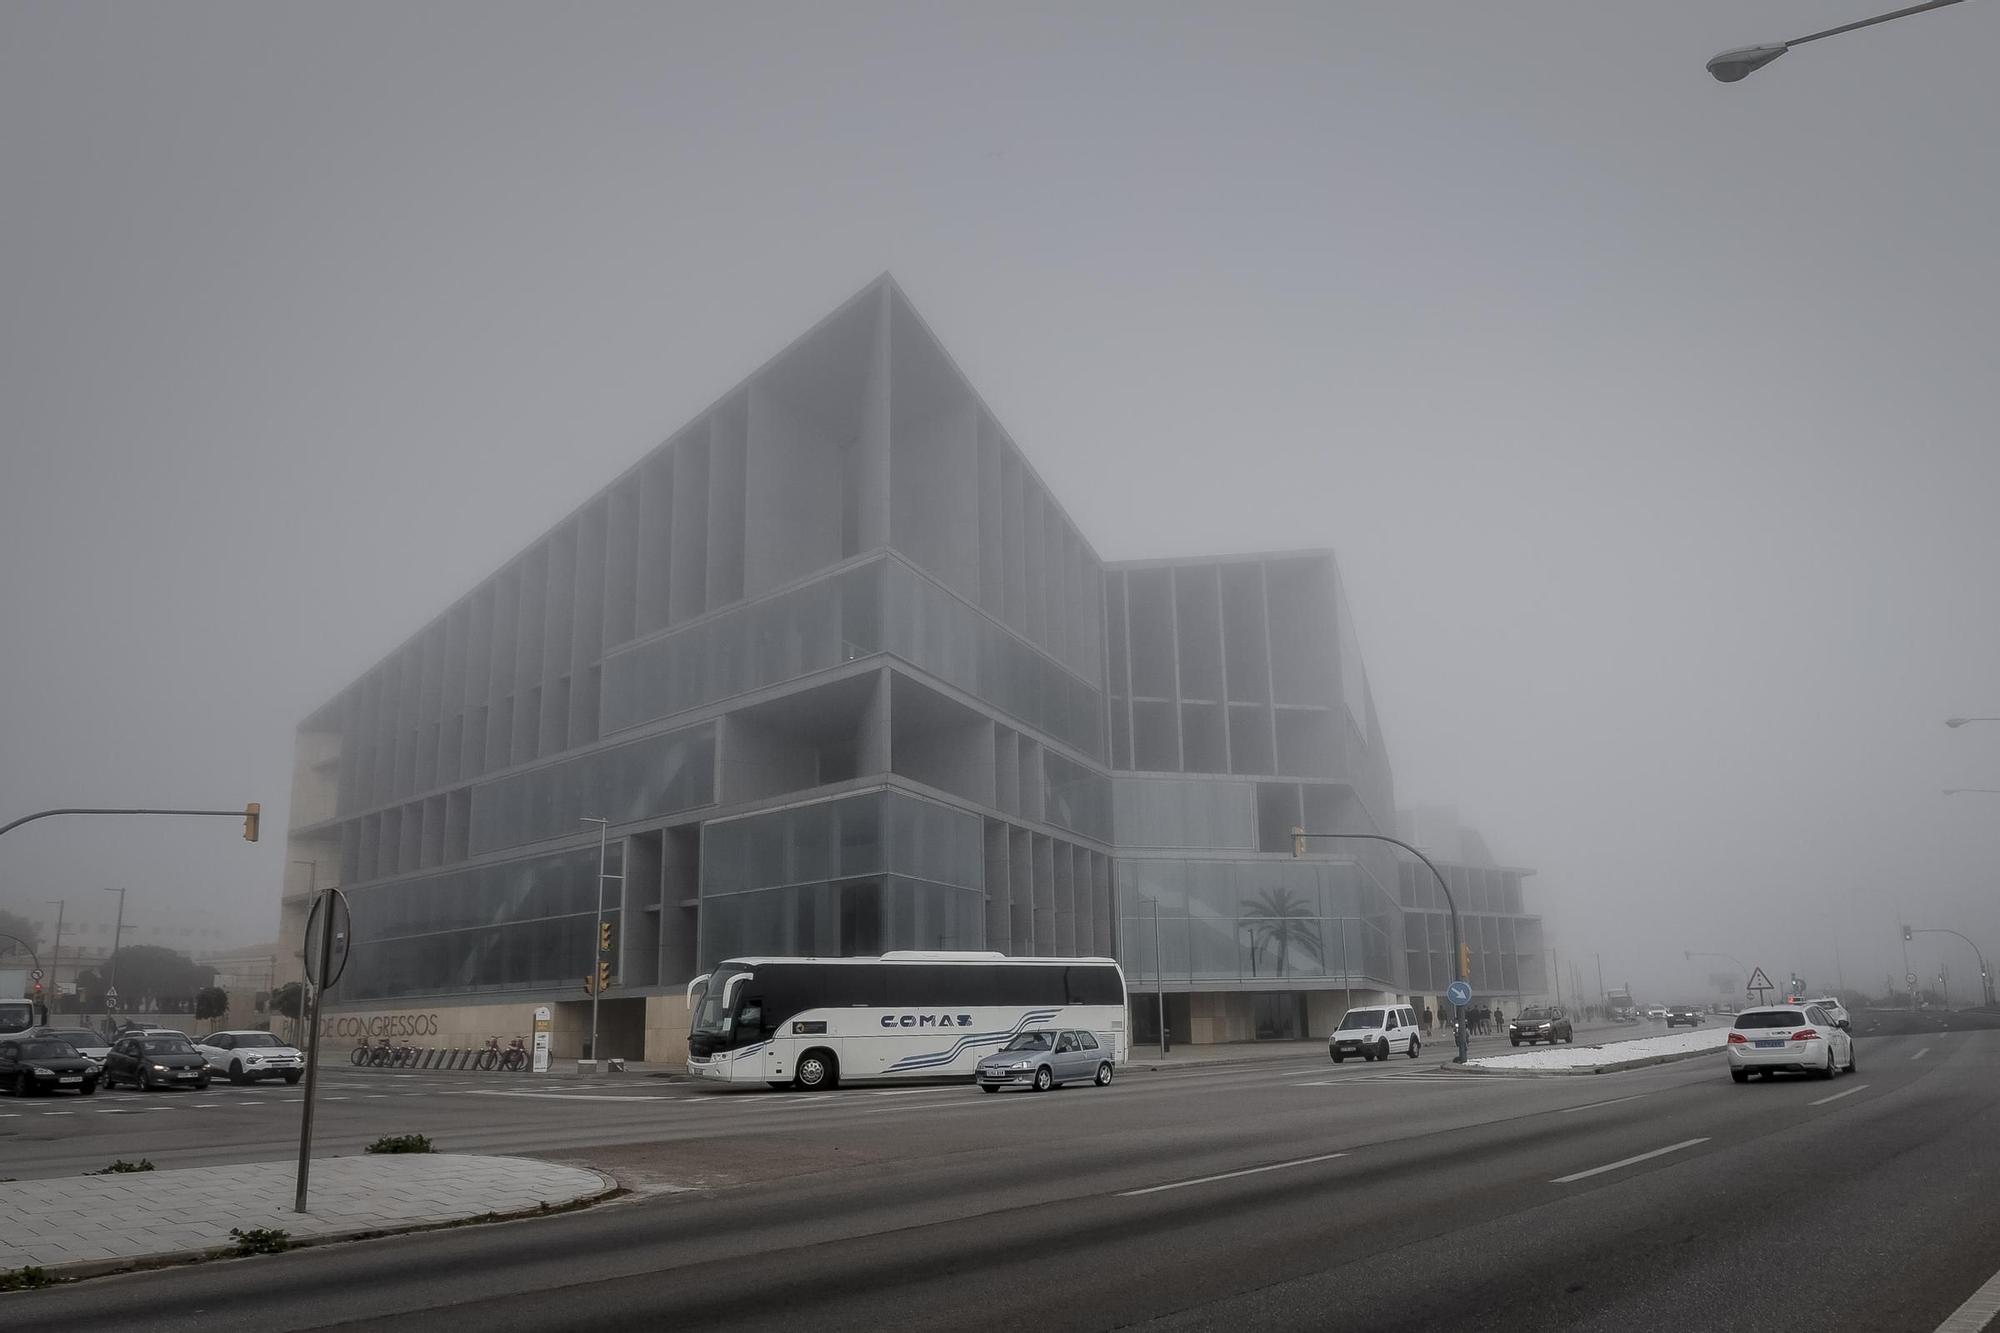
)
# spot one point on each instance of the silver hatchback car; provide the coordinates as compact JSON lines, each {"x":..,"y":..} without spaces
{"x":1045,"y":1058}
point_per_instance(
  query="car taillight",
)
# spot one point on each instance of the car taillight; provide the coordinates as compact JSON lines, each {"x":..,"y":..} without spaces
{"x":1804,"y":1034}
{"x":1738,"y":1039}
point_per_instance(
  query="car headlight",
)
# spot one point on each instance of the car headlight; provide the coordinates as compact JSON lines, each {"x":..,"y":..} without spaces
{"x":159,"y":1069}
{"x":45,"y":1073}
{"x":1018,"y":1064}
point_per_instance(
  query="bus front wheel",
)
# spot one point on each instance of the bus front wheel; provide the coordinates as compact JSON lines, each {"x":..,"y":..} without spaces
{"x":816,"y":1070}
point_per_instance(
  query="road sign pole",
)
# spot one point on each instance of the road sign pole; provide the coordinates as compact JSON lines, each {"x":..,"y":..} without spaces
{"x":325,"y":970}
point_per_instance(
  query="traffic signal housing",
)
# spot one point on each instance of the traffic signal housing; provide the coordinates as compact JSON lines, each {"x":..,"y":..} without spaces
{"x":1298,"y":841}
{"x":253,"y":815}
{"x":603,"y":977}
{"x":1464,"y":961}
{"x":1906,"y":932}
{"x":604,"y":937}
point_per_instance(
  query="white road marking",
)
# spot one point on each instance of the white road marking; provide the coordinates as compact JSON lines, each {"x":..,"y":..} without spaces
{"x":1230,"y":1175}
{"x":1838,"y":1095}
{"x":58,"y":1113}
{"x":1613,"y":1166}
{"x":1921,"y":1054}
{"x":1589,"y":1106}
{"x":574,"y":1096}
{"x":1978,"y":1310}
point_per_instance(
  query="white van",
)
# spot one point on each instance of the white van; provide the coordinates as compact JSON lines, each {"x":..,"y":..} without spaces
{"x":1376,"y":1034}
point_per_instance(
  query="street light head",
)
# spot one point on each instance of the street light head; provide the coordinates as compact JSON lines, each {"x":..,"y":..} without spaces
{"x":1956,"y":721}
{"x":1743,"y":61}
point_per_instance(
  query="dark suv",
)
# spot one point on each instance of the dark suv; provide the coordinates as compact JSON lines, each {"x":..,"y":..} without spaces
{"x":1540,"y":1022}
{"x":1689,"y":1014}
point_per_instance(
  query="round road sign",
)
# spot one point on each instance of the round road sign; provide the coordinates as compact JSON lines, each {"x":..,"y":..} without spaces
{"x":36,"y":974}
{"x":1459,"y":992}
{"x":1909,"y":978}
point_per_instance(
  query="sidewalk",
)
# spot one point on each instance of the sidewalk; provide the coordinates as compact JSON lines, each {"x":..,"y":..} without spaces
{"x":77,"y":1226}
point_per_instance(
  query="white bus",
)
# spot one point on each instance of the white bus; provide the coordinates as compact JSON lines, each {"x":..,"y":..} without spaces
{"x":808,"y":1023}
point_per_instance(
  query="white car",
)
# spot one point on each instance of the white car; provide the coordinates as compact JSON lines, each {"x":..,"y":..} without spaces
{"x":247,"y":1055}
{"x":1658,"y":1013}
{"x":1376,"y":1034}
{"x":1835,"y":1010}
{"x":1798,"y":1037}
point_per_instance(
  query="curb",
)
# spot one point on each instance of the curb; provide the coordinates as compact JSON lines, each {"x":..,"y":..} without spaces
{"x":1609,"y":1067}
{"x":83,"y":1269}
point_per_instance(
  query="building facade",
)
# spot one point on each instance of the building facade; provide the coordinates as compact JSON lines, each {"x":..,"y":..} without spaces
{"x":841,"y":676}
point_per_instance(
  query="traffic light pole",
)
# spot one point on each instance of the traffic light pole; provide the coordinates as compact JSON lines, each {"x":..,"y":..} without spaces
{"x":1299,"y":836}
{"x":597,"y":939}
{"x":249,"y":814}
{"x":1985,"y":978}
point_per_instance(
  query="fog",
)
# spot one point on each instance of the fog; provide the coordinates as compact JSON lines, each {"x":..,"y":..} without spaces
{"x":1650,"y":418}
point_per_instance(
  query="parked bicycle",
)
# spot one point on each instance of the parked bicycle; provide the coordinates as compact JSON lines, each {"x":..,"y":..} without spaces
{"x":383,"y":1056}
{"x":512,"y":1060}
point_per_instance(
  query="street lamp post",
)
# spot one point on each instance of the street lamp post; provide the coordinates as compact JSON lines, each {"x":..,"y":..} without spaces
{"x":1985,"y":978}
{"x":111,"y":966}
{"x":597,"y":938}
{"x":1159,"y":977}
{"x":55,"y":960}
{"x":1743,"y":61}
{"x":1692,"y":954}
{"x":1299,"y":836}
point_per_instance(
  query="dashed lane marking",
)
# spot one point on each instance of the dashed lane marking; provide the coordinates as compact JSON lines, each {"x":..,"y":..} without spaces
{"x":1838,"y":1095}
{"x":1626,"y":1161}
{"x":1230,"y":1175}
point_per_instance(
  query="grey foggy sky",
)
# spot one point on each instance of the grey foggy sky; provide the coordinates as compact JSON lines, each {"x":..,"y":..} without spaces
{"x":1652,"y":419}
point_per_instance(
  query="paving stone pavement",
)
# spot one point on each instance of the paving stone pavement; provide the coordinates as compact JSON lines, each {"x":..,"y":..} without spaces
{"x":91,"y":1221}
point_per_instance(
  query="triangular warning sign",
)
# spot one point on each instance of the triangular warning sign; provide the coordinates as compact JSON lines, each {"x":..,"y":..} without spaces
{"x":1758,"y":981}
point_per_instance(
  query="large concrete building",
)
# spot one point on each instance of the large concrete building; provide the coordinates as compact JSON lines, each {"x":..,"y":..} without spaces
{"x":843,"y":677}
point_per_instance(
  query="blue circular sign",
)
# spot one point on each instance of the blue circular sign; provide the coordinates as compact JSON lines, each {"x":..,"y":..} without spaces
{"x":1459,"y":992}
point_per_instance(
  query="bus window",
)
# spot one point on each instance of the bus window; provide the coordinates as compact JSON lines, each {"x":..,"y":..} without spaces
{"x":750,"y":1016}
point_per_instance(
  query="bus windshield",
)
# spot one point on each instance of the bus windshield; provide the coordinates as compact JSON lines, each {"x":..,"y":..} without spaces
{"x":712,"y":1019}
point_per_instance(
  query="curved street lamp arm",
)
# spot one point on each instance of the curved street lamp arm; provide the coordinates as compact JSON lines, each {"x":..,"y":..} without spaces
{"x":1869,"y":23}
{"x":98,"y":810}
{"x":1456,"y":946}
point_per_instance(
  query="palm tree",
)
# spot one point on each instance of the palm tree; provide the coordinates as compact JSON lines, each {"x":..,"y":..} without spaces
{"x":1284,"y":919}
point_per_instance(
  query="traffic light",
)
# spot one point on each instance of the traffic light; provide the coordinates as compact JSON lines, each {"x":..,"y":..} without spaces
{"x":589,"y":983}
{"x":1906,"y":932}
{"x":603,"y":977}
{"x":604,"y":937}
{"x":1464,"y":961}
{"x":253,"y":814}
{"x":1298,"y":841}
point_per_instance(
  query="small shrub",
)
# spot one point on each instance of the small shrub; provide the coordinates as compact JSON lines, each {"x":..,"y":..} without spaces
{"x":123,"y":1167}
{"x":261,"y":1240}
{"x":401,"y":1143}
{"x":25,"y":1279}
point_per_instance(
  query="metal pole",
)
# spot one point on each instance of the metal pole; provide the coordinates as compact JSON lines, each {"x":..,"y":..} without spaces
{"x":1159,"y":979}
{"x":1985,"y":980}
{"x":1556,"y":966}
{"x":1911,"y":985}
{"x":117,"y":935}
{"x":312,"y":1039}
{"x":597,"y":940}
{"x":55,"y":962}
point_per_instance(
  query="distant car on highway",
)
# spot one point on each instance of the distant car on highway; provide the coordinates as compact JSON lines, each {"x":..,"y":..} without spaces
{"x":163,"y":1061}
{"x":1658,"y":1013}
{"x":1540,"y":1022}
{"x":31,"y":1064}
{"x":90,"y":1045}
{"x":251,"y":1054}
{"x":1835,"y":1010}
{"x":1796,"y":1038}
{"x":1689,"y":1014}
{"x":1376,"y":1033}
{"x":1046,"y":1058}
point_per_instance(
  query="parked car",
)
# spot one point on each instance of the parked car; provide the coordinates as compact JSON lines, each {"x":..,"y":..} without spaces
{"x":31,"y":1064}
{"x":1798,"y":1038}
{"x":90,"y":1045}
{"x":1044,"y":1058}
{"x":1540,"y":1022}
{"x":1836,"y":1011}
{"x":247,"y":1055}
{"x":146,"y":1062}
{"x":1376,"y":1033}
{"x":1689,"y":1014}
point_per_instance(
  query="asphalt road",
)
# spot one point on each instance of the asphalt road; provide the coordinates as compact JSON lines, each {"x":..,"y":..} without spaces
{"x":1280,"y":1195}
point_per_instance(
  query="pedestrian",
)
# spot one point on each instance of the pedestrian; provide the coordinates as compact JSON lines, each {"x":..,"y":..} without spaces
{"x":1427,"y":1021}
{"x":1499,"y":1019}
